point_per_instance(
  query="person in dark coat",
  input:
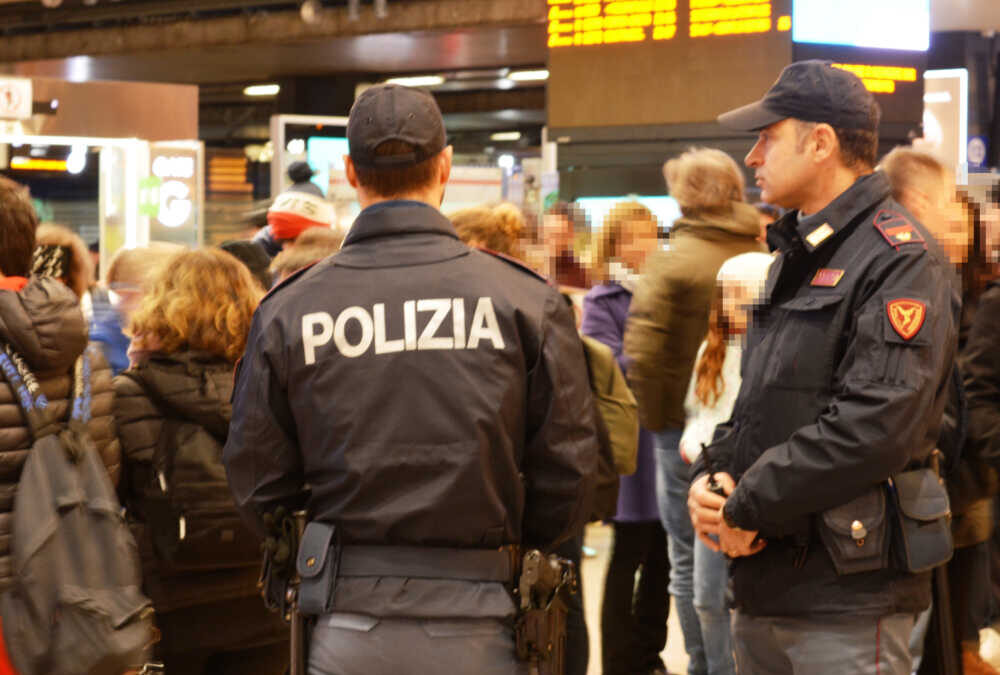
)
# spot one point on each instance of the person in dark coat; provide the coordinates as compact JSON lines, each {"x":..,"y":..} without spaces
{"x":41,"y":319}
{"x":845,"y":377}
{"x":427,"y":404}
{"x":633,"y":617}
{"x":188,"y":332}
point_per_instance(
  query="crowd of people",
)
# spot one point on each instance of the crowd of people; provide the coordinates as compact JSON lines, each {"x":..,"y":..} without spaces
{"x":784,"y":373}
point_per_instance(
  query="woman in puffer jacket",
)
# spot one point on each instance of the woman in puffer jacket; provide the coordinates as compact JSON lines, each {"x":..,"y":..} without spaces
{"x":41,"y":319}
{"x":200,"y":564}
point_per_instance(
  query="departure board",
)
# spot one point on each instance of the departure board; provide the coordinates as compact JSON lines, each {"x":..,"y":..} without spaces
{"x":652,"y":62}
{"x":666,"y":62}
{"x":590,"y":22}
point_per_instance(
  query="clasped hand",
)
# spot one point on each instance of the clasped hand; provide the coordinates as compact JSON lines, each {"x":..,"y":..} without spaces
{"x":706,"y":516}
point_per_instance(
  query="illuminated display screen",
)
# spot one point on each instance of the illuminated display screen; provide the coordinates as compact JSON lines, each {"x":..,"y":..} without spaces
{"x":666,"y":209}
{"x":652,"y":62}
{"x":324,"y":154}
{"x":875,"y":24}
{"x":621,"y":63}
{"x":576,"y":23}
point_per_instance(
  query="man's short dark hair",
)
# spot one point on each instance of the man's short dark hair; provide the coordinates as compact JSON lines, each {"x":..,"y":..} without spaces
{"x":18,"y":222}
{"x":396,"y":181}
{"x":858,"y":147}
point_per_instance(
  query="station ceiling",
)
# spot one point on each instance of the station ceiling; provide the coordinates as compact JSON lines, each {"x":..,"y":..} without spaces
{"x":511,"y":41}
{"x":431,"y":51}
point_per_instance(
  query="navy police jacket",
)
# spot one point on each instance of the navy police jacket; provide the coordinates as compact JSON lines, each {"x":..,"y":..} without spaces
{"x":427,"y":394}
{"x":845,"y":378}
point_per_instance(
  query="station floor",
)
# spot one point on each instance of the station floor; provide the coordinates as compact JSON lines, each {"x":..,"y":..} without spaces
{"x":599,"y":538}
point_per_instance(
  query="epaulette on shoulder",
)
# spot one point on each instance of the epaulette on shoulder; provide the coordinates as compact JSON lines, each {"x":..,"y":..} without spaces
{"x":287,"y":281}
{"x":513,"y":262}
{"x":897,"y":229}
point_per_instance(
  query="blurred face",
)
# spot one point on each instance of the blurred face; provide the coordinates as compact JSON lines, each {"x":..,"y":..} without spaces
{"x":781,"y":165}
{"x":125,"y":298}
{"x":736,"y":299}
{"x":557,"y":233}
{"x":952,"y":223}
{"x":990,"y":217}
{"x":637,"y":242}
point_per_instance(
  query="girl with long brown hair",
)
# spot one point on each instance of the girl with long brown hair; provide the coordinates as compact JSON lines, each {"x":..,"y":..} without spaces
{"x":711,"y":395}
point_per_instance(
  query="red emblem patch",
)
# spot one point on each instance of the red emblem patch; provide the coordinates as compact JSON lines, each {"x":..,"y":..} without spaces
{"x":906,"y":316}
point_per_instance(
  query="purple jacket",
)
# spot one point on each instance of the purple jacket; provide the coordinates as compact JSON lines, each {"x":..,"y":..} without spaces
{"x":605,"y":308}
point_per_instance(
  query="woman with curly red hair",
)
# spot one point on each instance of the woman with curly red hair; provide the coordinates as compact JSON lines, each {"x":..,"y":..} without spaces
{"x":200,"y":565}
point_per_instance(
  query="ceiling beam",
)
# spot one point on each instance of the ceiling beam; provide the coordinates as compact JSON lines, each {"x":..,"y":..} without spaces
{"x":270,"y":28}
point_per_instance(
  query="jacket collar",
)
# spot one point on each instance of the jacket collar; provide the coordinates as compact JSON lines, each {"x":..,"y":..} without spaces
{"x":819,"y":228}
{"x":398,"y":217}
{"x":739,"y":219}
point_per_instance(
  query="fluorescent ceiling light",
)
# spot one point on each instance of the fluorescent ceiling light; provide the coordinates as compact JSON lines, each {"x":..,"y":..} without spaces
{"x":262,"y":90}
{"x":417,"y":81}
{"x":529,"y":75}
{"x":506,"y":136}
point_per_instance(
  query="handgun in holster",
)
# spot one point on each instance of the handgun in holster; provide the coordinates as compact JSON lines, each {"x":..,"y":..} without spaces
{"x":279,"y":580}
{"x":543,"y":586}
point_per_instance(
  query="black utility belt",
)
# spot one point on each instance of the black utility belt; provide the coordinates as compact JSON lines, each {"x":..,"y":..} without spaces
{"x":903,"y":524}
{"x":322,"y":560}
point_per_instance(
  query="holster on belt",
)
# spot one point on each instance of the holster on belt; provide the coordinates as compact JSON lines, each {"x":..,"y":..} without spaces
{"x":540,"y":630}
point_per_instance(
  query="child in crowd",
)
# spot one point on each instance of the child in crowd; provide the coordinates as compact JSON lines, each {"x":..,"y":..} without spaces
{"x":710,"y":398}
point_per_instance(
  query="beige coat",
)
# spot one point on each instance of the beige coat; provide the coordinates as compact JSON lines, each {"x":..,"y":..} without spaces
{"x":668,"y":318}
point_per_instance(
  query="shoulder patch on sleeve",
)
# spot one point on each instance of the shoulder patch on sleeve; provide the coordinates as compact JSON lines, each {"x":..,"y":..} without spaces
{"x":513,"y":262}
{"x":906,"y":316}
{"x":897,"y":229}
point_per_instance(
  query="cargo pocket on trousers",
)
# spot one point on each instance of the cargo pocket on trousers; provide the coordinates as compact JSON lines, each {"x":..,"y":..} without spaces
{"x":855,"y":533}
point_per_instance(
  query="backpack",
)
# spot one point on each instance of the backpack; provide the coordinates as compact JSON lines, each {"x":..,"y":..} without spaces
{"x":191,"y":518}
{"x":75,"y":606}
{"x":617,"y":418}
{"x":615,"y":403}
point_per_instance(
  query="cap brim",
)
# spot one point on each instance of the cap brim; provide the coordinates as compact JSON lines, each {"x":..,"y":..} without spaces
{"x":751,"y":117}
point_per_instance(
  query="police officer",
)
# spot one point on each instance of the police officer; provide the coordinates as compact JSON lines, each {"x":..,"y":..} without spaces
{"x":428,"y":400}
{"x":844,"y":384}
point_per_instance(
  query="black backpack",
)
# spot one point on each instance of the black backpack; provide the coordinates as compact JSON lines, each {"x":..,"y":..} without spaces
{"x":75,"y":606}
{"x":190,"y":516}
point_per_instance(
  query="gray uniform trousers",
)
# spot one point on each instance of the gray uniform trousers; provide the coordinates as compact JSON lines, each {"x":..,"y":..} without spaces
{"x":841,"y":645}
{"x":357,"y":644}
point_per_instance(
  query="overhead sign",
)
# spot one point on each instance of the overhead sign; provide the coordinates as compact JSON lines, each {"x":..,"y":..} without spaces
{"x":593,"y":22}
{"x":172,"y":194}
{"x":15,"y":98}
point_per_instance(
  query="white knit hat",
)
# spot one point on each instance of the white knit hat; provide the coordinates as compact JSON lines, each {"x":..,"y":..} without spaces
{"x":746,"y":269}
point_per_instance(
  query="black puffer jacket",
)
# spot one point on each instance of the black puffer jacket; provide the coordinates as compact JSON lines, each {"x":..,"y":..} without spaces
{"x":196,"y":388}
{"x":44,"y":324}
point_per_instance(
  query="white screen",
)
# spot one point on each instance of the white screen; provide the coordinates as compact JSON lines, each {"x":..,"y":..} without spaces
{"x":876,"y":24}
{"x":665,"y":209}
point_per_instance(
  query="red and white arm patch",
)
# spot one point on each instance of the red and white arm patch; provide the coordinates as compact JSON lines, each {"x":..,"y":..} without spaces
{"x":906,"y":316}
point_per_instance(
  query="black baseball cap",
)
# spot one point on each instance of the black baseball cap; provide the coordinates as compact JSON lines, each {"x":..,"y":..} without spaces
{"x":391,"y":112}
{"x":811,"y":91}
